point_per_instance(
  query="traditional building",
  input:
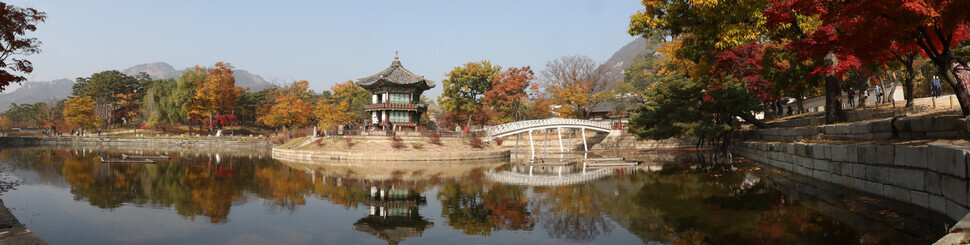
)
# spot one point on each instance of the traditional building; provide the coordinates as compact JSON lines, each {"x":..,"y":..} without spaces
{"x":395,"y":96}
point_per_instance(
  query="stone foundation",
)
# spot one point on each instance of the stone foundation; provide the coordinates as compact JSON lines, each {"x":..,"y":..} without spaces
{"x":933,"y":176}
{"x":389,"y":156}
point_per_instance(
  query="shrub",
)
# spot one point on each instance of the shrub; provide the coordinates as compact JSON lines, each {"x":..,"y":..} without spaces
{"x":435,"y":138}
{"x":350,"y":142}
{"x":397,"y":142}
{"x":476,"y":142}
{"x":319,"y":142}
{"x":498,"y":141}
{"x":417,"y":145}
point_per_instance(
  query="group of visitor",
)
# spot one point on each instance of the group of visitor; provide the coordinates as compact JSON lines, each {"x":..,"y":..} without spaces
{"x":935,"y":89}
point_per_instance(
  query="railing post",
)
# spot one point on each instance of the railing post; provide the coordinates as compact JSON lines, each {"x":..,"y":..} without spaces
{"x":585,"y":148}
{"x":559,"y":133}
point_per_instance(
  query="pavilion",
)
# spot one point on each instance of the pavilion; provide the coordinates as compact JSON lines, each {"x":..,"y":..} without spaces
{"x":395,"y":96}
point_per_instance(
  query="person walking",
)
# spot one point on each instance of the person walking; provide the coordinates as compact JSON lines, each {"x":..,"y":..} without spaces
{"x":878,"y":92}
{"x":935,"y":86}
{"x":851,"y":98}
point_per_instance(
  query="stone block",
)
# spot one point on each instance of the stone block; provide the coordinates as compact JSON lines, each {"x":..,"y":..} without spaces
{"x":902,"y":194}
{"x":835,"y":168}
{"x":932,"y":182}
{"x":937,"y":203}
{"x":881,"y":126}
{"x":867,"y":154}
{"x":954,"y":189}
{"x":829,"y":129}
{"x":859,"y":171}
{"x":877,"y":174}
{"x":821,"y":164}
{"x":889,"y":191}
{"x":818,"y":151}
{"x":954,"y":210}
{"x":846,"y":169}
{"x":843,"y":129}
{"x":912,"y":156}
{"x":860,"y":128}
{"x":872,"y":187}
{"x":839,"y":153}
{"x":920,"y":198}
{"x":948,"y":123}
{"x":903,"y":125}
{"x":885,"y":154}
{"x":882,"y":135}
{"x":921,"y":124}
{"x":909,"y":178}
{"x":947,"y":159}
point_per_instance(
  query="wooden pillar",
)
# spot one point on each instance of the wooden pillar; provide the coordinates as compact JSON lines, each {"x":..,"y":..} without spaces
{"x":585,"y":148}
{"x":533,"y":145}
{"x":559,"y":134}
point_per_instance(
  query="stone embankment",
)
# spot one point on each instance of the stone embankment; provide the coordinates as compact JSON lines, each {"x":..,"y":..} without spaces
{"x":933,"y":176}
{"x":618,"y":140}
{"x":183,"y":143}
{"x":902,"y":128}
{"x":14,"y":232}
{"x":317,"y":156}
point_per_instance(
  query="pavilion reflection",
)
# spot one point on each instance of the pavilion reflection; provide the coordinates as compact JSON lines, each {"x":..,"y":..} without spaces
{"x":394,"y":214}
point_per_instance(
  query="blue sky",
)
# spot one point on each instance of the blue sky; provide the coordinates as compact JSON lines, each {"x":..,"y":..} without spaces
{"x":323,"y":42}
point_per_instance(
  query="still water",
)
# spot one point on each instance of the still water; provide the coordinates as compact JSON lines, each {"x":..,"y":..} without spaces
{"x":68,"y":196}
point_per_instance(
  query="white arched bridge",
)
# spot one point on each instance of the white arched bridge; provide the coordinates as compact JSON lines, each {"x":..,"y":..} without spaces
{"x":559,"y":124}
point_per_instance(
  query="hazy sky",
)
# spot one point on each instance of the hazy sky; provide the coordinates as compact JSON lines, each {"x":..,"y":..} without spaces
{"x":324,"y":42}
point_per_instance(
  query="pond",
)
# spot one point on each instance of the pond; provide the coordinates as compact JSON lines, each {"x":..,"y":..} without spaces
{"x":68,"y":196}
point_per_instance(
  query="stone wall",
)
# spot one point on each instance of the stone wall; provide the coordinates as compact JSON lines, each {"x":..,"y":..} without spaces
{"x":904,"y":128}
{"x":409,"y":156}
{"x":142,"y":143}
{"x":933,"y":176}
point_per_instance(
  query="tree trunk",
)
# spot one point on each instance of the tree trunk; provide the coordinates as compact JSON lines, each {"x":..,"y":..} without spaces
{"x":944,"y":62}
{"x":752,"y":120}
{"x":833,"y":93}
{"x":908,"y":80}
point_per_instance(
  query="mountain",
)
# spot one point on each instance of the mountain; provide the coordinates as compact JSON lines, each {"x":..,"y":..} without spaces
{"x":622,"y":58}
{"x":162,"y":70}
{"x":33,"y":92}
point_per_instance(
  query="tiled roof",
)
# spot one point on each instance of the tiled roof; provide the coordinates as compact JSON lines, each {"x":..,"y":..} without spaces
{"x":396,"y":74}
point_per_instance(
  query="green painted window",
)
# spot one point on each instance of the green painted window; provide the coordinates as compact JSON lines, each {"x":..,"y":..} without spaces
{"x":401,"y":98}
{"x":400,"y":116}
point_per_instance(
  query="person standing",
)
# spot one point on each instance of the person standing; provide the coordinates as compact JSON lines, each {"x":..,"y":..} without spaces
{"x":851,"y":98}
{"x":935,"y":86}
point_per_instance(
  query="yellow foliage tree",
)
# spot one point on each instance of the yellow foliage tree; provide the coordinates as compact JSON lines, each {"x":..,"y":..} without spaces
{"x":79,"y":113}
{"x":5,"y":125}
{"x":218,"y":94}
{"x":331,"y":113}
{"x":290,"y":107}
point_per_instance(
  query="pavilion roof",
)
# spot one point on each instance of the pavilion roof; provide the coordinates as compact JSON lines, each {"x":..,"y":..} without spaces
{"x":396,"y":74}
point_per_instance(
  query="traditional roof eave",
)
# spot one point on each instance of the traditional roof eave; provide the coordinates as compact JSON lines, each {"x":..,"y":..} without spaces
{"x":395,"y":75}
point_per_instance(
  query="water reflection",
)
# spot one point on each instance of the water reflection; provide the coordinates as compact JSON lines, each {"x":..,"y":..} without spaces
{"x":670,"y":199}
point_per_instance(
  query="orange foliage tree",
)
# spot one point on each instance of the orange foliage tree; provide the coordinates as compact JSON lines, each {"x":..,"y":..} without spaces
{"x":291,"y":107}
{"x":218,"y":94}
{"x":508,"y":92}
{"x":79,"y":113}
{"x":5,"y":125}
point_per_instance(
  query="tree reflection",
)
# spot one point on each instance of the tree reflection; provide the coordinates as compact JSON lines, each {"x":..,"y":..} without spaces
{"x":573,"y":212}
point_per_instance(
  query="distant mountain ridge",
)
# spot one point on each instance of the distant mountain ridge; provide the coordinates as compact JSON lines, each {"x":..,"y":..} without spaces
{"x":42,"y":91}
{"x":33,"y":92}
{"x":162,"y":70}
{"x":622,"y":57}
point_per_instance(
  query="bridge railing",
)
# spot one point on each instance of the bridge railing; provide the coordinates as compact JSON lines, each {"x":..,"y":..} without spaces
{"x":514,"y":126}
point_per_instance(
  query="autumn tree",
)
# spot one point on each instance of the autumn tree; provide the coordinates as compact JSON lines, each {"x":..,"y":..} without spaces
{"x":108,"y":89}
{"x":5,"y":125}
{"x":218,"y":94}
{"x":290,"y":107}
{"x":577,"y":84}
{"x":79,"y":113}
{"x":355,"y":97}
{"x":508,"y":93}
{"x":15,"y":22}
{"x":50,"y":114}
{"x":464,"y":90}
{"x":331,"y":113}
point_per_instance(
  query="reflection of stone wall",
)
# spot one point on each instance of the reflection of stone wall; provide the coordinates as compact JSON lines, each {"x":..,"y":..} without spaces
{"x":933,"y":176}
{"x":388,"y":156}
{"x":120,"y":142}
